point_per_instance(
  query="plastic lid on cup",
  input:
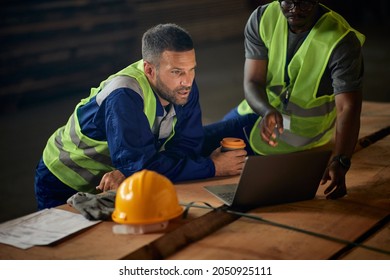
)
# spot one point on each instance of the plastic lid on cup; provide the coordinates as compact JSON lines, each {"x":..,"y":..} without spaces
{"x":233,"y":143}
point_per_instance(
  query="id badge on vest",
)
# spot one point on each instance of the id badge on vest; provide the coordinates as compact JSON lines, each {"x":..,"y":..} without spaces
{"x":286,"y":121}
{"x":286,"y":114}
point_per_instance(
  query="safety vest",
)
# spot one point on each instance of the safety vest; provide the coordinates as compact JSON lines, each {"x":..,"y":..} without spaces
{"x":312,"y":118}
{"x":79,"y":161}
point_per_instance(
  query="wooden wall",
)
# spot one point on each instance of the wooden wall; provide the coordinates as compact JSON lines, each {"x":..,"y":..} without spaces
{"x":51,"y":49}
{"x":54,"y":48}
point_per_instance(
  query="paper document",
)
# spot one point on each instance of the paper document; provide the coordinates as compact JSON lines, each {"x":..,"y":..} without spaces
{"x":42,"y":228}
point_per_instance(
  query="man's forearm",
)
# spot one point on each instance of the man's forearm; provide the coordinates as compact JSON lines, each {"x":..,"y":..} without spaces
{"x":257,"y":99}
{"x":347,"y":129}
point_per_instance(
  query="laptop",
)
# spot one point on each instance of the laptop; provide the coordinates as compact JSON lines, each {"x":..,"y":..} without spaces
{"x":275,"y":179}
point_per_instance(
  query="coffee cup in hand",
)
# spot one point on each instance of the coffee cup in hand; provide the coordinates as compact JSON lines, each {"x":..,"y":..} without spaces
{"x":231,"y":143}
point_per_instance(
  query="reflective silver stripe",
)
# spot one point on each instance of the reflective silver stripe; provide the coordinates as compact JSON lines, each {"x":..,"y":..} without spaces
{"x":67,"y":161}
{"x":318,"y":111}
{"x":118,"y":82}
{"x":300,"y":141}
{"x":163,"y":126}
{"x":88,"y":150}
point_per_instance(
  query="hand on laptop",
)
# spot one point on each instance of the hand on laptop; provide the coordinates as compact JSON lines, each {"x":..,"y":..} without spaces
{"x":228,"y":163}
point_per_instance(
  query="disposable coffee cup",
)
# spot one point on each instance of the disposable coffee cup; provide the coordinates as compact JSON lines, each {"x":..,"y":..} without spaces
{"x":231,"y":144}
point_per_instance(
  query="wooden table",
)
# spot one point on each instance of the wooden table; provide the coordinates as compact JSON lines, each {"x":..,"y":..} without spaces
{"x":362,"y":217}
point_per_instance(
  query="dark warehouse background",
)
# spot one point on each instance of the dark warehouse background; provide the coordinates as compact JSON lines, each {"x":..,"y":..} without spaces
{"x":53,"y":52}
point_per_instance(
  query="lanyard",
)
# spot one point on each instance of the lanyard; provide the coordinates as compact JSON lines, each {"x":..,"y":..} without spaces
{"x":285,"y":95}
{"x":286,"y":91}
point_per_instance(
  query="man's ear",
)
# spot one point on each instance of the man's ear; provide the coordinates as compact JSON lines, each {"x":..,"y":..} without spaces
{"x":149,"y":69}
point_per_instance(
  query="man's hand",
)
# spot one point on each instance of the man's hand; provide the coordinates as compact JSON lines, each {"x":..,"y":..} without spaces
{"x":228,"y":163}
{"x":336,"y":174}
{"x":111,"y":181}
{"x":271,"y":122}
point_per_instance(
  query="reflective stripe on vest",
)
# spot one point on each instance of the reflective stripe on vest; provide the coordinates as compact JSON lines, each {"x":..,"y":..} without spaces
{"x":312,"y":118}
{"x":86,"y":175}
{"x":79,"y":161}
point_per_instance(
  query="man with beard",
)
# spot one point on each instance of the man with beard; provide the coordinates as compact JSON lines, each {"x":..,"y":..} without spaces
{"x":303,"y":77}
{"x":146,"y":116}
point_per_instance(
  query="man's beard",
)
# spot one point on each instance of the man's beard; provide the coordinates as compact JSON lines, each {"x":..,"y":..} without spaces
{"x":172,"y":96}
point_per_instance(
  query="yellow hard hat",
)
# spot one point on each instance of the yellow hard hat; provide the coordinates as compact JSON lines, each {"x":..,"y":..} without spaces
{"x":146,"y":197}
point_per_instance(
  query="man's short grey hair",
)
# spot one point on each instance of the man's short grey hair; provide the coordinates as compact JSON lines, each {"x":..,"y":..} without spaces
{"x":164,"y":37}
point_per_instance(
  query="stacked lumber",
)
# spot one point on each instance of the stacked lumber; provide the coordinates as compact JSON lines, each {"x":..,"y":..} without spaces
{"x":51,"y":49}
{"x":54,"y":48}
{"x":207,"y":21}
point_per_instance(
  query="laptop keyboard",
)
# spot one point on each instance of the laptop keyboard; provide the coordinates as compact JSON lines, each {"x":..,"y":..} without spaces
{"x":227,"y":196}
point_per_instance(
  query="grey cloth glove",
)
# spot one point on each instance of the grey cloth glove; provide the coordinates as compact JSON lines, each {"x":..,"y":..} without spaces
{"x":94,"y":206}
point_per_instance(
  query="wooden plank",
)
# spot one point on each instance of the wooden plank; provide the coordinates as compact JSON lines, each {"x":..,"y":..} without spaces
{"x":375,"y":116}
{"x":45,"y":44}
{"x":381,"y":239}
{"x":172,"y":242}
{"x":65,"y":40}
{"x":207,"y":21}
{"x":53,"y":49}
{"x":369,"y":177}
{"x":377,"y":203}
{"x":347,"y":219}
{"x":192,"y":9}
{"x":95,"y":243}
{"x":249,"y":239}
{"x":189,"y":233}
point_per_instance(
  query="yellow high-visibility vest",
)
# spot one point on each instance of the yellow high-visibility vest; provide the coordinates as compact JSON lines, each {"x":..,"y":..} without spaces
{"x":312,"y":118}
{"x":79,"y":161}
